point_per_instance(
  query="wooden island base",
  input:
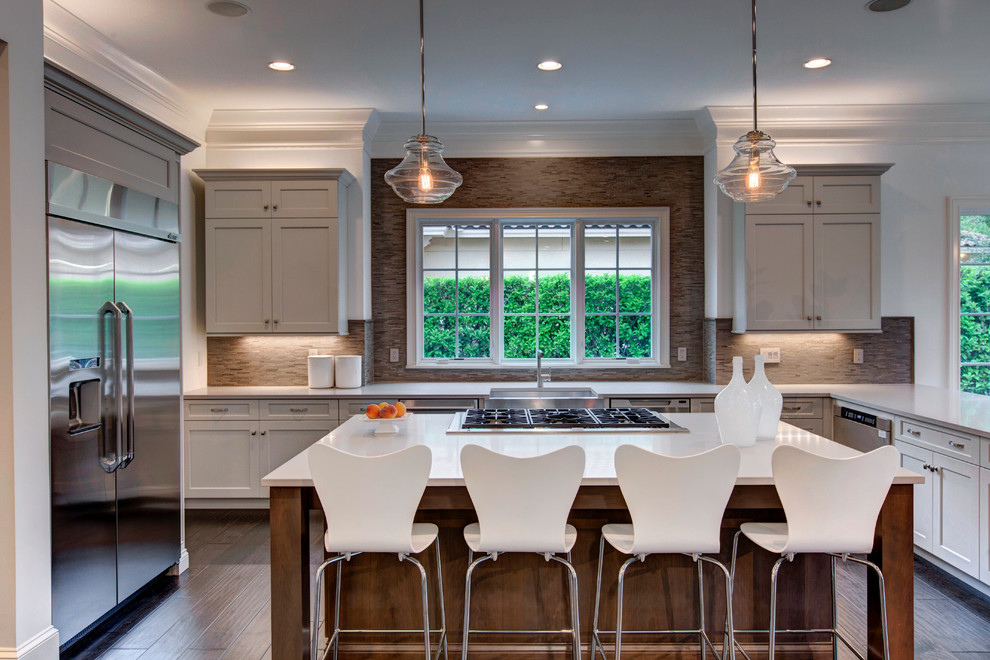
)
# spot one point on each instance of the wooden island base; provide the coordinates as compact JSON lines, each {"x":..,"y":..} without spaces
{"x":523,"y":591}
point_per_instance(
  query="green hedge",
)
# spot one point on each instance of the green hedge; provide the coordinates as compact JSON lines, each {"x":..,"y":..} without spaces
{"x":974,"y":296}
{"x":441,"y":296}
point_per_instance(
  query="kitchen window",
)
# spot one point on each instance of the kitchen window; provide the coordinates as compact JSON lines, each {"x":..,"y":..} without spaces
{"x":488,"y":288}
{"x":972,"y":304}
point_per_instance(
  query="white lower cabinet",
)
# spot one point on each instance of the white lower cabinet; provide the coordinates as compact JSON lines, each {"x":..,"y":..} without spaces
{"x":231,"y":444}
{"x":947,"y":505}
{"x":222,"y":459}
{"x":985,"y":524}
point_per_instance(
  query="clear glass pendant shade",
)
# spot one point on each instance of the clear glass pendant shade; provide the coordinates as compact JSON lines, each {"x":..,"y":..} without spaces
{"x":755,"y":174}
{"x":423,"y":177}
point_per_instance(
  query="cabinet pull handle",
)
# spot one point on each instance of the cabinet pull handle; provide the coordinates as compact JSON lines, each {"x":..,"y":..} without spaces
{"x":276,"y":321}
{"x":254,"y":433}
{"x":264,"y":433}
{"x":957,"y":445}
{"x":809,"y":203}
{"x":926,"y":466}
{"x":818,"y":203}
{"x":809,"y":318}
{"x":266,"y":207}
{"x":298,"y":409}
{"x":275,"y":206}
{"x":792,"y":408}
{"x":916,"y":434}
{"x":219,"y":409}
{"x":819,"y":317}
{"x":266,"y":321}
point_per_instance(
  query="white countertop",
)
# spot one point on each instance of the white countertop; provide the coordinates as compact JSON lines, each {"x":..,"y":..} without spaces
{"x":357,"y":436}
{"x":965,"y":412}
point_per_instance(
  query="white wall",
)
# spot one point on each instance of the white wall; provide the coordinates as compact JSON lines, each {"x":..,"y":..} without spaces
{"x":25,"y":565}
{"x":938,"y":152}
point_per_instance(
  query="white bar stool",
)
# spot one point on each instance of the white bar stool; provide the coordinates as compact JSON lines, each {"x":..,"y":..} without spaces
{"x":369,"y":503}
{"x":676,"y":504}
{"x":831,"y":505}
{"x":522,"y":506}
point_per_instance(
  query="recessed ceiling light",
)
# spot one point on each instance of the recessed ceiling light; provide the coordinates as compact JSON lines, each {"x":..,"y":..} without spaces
{"x":541,"y":106}
{"x":817,"y":63}
{"x":281,"y":66}
{"x":886,"y":5}
{"x":228,"y":8}
{"x":549,"y":65}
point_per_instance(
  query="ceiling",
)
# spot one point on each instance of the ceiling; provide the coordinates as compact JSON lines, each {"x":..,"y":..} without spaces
{"x":623,"y":59}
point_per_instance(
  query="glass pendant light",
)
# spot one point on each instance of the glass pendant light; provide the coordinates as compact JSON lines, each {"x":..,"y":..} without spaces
{"x":423,"y":177}
{"x":755,"y":174}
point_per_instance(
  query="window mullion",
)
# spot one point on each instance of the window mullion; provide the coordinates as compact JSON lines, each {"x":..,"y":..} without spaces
{"x":577,"y":292}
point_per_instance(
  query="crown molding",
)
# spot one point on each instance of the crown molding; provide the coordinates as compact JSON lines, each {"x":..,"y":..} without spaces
{"x":80,"y":49}
{"x":851,"y":124}
{"x":348,"y":128}
{"x":651,"y":137}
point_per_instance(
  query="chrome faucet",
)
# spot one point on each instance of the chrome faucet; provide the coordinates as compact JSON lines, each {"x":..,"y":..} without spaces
{"x":539,"y":368}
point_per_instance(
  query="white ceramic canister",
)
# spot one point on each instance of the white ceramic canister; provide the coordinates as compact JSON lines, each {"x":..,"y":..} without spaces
{"x":737,"y":411}
{"x":348,"y":371}
{"x":771,"y":401}
{"x":320,"y":371}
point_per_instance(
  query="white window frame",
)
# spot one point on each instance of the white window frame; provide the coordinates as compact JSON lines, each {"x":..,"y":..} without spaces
{"x":660,"y":273}
{"x":958,"y":207}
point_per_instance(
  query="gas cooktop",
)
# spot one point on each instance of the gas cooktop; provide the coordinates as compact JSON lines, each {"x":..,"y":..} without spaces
{"x":561,"y":419}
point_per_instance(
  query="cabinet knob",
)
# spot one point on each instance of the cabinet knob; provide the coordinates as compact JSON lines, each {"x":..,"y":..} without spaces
{"x":818,"y":203}
{"x":819,"y":318}
{"x":276,"y":321}
{"x":809,"y":318}
{"x":264,"y":433}
{"x":265,"y":207}
{"x":266,"y":321}
{"x":254,"y":433}
{"x":809,"y":203}
{"x":275,"y":206}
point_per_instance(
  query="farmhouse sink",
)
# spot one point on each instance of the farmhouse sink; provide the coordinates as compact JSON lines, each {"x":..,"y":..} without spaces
{"x":543,"y":397}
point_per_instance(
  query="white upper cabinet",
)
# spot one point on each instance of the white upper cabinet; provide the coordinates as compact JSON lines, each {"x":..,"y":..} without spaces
{"x":812,"y":254}
{"x":276,"y":251}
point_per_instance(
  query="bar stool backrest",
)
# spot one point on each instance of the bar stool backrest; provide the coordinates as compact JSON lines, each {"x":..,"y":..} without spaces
{"x":832,"y":504}
{"x":676,"y":503}
{"x":522,"y":503}
{"x":369,"y":501}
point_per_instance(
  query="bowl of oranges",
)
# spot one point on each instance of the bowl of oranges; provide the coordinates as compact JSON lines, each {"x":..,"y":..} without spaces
{"x":386,"y":415}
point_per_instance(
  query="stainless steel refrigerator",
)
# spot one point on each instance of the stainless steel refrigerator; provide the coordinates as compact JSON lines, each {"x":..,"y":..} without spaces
{"x":113,"y":297}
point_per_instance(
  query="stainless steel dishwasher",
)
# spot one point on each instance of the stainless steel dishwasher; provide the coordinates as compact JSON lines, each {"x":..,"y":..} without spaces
{"x":859,"y":429}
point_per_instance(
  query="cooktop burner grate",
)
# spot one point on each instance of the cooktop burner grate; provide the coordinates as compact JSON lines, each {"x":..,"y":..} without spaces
{"x":594,"y":418}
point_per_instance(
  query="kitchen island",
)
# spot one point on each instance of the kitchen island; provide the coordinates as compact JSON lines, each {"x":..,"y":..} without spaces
{"x":660,"y":593}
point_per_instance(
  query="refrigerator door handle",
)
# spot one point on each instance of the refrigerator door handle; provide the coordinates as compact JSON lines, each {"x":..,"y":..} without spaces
{"x":111,"y":460}
{"x":128,"y":421}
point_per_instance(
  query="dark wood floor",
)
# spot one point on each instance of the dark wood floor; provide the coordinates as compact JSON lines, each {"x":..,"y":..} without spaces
{"x":220,"y":608}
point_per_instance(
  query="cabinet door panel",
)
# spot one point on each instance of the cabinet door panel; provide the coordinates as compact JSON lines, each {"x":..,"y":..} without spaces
{"x":222,"y":459}
{"x":238,"y":199}
{"x":914,"y":459}
{"x":304,"y":275}
{"x":779,"y":272}
{"x":984,"y":525}
{"x":797,"y":198}
{"x":238,"y":275}
{"x":304,"y":199}
{"x":283,"y":440}
{"x":847,"y":272}
{"x":815,"y":426}
{"x":847,"y":194}
{"x":956,"y":512}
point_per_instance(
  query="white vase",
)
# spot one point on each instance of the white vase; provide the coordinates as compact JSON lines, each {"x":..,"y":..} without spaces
{"x":737,"y":411}
{"x":771,"y":401}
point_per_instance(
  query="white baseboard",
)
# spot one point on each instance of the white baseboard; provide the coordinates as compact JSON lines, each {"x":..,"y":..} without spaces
{"x":43,"y":646}
{"x":183,"y":565}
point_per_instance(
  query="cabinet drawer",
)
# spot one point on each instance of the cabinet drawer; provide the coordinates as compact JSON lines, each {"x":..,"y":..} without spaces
{"x":965,"y":448}
{"x":299,"y":410}
{"x":801,"y":408}
{"x":815,"y":426}
{"x":221,"y":409}
{"x":705,"y":405}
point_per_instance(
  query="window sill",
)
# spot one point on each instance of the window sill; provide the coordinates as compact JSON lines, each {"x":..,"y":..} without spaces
{"x":488,"y":366}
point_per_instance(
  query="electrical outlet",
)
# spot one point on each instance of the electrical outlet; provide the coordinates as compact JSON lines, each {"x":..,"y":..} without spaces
{"x":771,"y":355}
{"x":857,"y":356}
{"x":393,"y":355}
{"x":682,"y":354}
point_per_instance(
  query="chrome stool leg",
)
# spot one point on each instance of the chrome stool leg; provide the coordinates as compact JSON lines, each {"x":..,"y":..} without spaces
{"x":596,"y":644}
{"x":575,"y":616}
{"x":425,"y":592}
{"x":467,"y":603}
{"x":443,"y":612}
{"x":773,"y":604}
{"x":835,"y":613}
{"x":701,"y":612}
{"x":618,"y":606}
{"x":314,"y":632}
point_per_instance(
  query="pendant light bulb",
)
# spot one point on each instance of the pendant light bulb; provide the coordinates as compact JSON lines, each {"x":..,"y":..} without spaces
{"x":423,"y":177}
{"x":755,"y":174}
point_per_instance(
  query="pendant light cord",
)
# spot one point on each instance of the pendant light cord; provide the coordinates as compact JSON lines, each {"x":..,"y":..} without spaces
{"x":422,"y":63}
{"x":754,"y":63}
